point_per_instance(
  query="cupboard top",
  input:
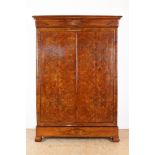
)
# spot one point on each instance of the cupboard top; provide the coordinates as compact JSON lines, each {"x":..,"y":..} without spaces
{"x":48,"y":17}
{"x":76,"y":21}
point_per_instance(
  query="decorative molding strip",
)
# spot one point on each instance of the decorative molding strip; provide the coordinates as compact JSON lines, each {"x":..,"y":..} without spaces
{"x":76,"y":64}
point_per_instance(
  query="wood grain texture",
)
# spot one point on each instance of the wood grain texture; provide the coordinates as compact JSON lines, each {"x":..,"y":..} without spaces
{"x":76,"y":21}
{"x":77,"y":75}
{"x":77,"y":131}
{"x":58,"y":76}
{"x":95,"y":94}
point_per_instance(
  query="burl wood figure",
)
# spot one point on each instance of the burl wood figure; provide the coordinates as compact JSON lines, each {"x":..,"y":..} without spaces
{"x":77,"y":76}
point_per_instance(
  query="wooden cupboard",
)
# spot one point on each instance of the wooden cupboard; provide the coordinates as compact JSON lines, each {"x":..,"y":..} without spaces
{"x":76,"y":76}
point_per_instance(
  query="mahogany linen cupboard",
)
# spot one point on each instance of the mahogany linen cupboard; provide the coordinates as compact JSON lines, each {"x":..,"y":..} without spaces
{"x":77,"y":76}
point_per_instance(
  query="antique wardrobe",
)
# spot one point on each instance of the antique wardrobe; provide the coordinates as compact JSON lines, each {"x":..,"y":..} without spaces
{"x":76,"y":76}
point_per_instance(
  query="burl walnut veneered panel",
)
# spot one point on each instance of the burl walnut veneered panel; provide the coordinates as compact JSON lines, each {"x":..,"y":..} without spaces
{"x":95,"y":69}
{"x":58,"y":76}
{"x":77,"y":76}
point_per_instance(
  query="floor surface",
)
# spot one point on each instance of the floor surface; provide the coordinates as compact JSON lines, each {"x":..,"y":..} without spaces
{"x":75,"y":146}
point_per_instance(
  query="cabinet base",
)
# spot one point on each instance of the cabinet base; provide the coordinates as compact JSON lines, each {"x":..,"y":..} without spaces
{"x":109,"y":132}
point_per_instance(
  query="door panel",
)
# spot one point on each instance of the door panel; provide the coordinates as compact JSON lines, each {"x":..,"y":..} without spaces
{"x":57,"y":76}
{"x":95,"y":76}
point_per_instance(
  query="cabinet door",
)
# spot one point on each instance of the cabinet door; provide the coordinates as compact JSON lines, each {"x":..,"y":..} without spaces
{"x":57,"y":77}
{"x":95,"y":76}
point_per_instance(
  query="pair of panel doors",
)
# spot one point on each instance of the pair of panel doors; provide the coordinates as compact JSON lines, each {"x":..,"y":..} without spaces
{"x":76,"y":76}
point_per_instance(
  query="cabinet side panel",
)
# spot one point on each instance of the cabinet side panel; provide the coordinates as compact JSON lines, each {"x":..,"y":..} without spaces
{"x":38,"y":56}
{"x":115,"y":77}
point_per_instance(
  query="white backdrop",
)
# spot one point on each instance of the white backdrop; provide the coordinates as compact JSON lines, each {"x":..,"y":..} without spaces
{"x":80,"y":7}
